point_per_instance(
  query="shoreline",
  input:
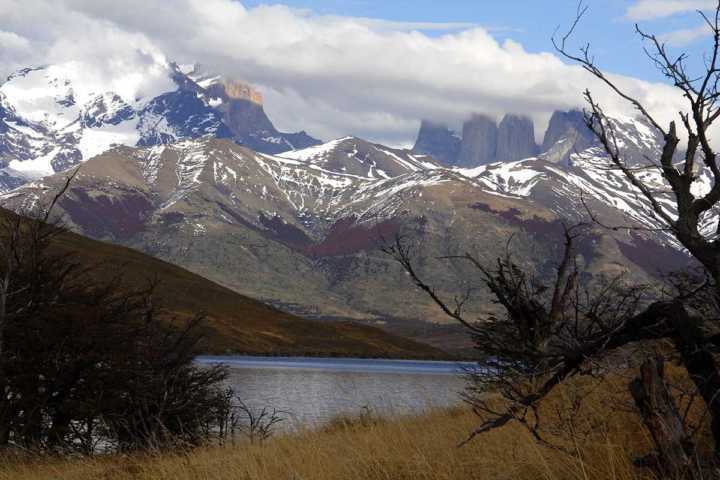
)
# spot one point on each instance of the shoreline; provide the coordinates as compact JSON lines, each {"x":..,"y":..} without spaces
{"x":339,"y":364}
{"x":448,"y":358}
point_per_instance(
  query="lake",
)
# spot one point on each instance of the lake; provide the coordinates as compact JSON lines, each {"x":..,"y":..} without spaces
{"x":314,"y":390}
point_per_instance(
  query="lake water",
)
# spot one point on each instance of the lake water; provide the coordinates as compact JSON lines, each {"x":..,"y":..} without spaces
{"x":314,"y":390}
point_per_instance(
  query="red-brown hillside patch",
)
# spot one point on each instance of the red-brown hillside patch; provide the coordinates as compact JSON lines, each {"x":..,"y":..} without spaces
{"x":346,"y":236}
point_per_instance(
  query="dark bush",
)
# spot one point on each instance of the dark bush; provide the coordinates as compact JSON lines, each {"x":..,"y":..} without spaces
{"x":89,"y":365}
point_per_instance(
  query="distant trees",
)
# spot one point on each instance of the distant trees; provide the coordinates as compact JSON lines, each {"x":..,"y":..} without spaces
{"x":87,"y":365}
{"x":551,"y":332}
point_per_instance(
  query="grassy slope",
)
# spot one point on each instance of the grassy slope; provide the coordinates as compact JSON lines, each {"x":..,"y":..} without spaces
{"x":236,"y":323}
{"x":417,"y":448}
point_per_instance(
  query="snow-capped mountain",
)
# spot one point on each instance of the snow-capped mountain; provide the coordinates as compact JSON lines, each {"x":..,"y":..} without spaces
{"x":303,"y":229}
{"x":354,"y":156}
{"x":54,"y":117}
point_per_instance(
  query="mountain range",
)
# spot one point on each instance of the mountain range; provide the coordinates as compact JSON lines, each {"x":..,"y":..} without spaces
{"x":303,"y":229}
{"x":50,"y":120}
{"x":483,"y":141}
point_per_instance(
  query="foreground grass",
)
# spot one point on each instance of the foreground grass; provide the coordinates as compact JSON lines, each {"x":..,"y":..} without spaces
{"x":419,"y":447}
{"x":413,"y":448}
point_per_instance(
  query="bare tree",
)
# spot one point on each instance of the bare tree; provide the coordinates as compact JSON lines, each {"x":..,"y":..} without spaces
{"x":256,"y":424}
{"x":553,"y":330}
{"x":694,"y":334}
{"x":548,"y":333}
{"x":552,"y":333}
{"x":22,"y":237}
{"x":24,"y":287}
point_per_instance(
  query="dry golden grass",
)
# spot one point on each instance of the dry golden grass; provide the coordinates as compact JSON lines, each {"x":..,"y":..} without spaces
{"x":412,"y":448}
{"x":406,"y":448}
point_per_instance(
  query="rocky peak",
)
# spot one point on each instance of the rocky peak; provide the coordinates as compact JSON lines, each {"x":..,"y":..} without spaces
{"x":566,"y":134}
{"x":516,"y":139}
{"x":241,"y":91}
{"x":438,"y":141}
{"x":216,"y":86}
{"x":479,"y":141}
{"x":242,"y":111}
{"x":483,"y":141}
{"x":242,"y":115}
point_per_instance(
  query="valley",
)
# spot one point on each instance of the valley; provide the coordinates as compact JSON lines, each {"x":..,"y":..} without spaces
{"x":311,"y":240}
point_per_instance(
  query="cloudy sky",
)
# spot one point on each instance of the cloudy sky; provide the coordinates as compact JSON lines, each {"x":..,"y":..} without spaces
{"x":371,"y":68}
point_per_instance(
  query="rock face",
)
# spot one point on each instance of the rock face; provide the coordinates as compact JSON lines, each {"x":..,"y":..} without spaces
{"x":479,"y":142}
{"x":566,"y":134}
{"x":516,"y":139}
{"x":241,"y":91}
{"x":242,"y":111}
{"x":438,"y":141}
{"x":483,"y":142}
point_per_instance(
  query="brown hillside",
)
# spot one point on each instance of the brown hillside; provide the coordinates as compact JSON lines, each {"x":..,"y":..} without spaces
{"x":235,"y":323}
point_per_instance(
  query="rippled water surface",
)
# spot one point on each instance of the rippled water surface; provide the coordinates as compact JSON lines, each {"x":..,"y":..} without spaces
{"x":314,"y":390}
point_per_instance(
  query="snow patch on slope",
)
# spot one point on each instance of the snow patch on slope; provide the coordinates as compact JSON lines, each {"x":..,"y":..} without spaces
{"x":512,"y":178}
{"x":318,"y":152}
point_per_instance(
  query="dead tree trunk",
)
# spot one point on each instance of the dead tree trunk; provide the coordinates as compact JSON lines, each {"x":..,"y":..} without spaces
{"x":661,"y":417}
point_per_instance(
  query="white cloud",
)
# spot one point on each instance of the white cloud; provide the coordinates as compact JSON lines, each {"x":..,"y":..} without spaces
{"x":329,"y":75}
{"x":680,"y":38}
{"x":379,"y":24}
{"x":13,"y":48}
{"x":654,"y":9}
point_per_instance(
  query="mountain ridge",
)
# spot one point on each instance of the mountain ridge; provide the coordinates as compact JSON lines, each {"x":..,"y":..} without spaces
{"x":484,"y":141}
{"x":51,"y":119}
{"x":321,"y":215}
{"x":304,"y":229}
